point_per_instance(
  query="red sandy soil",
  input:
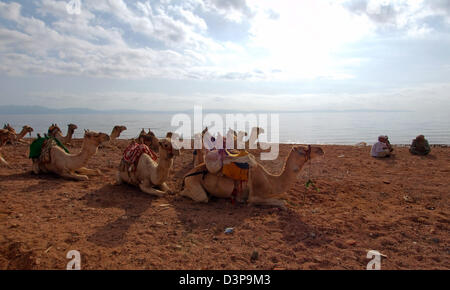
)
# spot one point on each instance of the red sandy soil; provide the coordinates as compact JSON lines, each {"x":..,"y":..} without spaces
{"x":397,"y":206}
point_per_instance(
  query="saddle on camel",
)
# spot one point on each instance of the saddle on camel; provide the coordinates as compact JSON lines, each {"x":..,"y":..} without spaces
{"x":234,"y":164}
{"x":134,"y":151}
{"x":40,"y":148}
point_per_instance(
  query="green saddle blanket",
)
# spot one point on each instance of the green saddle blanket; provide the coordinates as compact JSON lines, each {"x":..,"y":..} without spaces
{"x":36,"y":146}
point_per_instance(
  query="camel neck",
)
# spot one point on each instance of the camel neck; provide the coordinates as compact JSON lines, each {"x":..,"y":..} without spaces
{"x":22,"y":134}
{"x":70,"y":132}
{"x":163,"y":168}
{"x":290,"y":171}
{"x":79,"y":160}
{"x":114,"y":134}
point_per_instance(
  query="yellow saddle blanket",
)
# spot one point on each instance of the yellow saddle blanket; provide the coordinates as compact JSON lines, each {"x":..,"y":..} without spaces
{"x":236,"y":171}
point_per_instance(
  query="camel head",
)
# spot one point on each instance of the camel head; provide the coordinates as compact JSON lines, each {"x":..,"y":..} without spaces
{"x":119,"y":129}
{"x":166,"y":149}
{"x":72,"y":127}
{"x":150,"y":133}
{"x":308,"y":153}
{"x":53,"y":130}
{"x":27,"y":129}
{"x":95,"y":138}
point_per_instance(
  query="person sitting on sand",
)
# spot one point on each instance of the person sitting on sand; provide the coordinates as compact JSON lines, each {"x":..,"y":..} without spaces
{"x":420,"y":146}
{"x":382,"y":148}
{"x":389,"y":146}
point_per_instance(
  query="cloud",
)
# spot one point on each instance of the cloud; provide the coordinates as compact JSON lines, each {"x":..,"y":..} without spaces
{"x":232,"y":10}
{"x":410,"y":17}
{"x":278,"y":40}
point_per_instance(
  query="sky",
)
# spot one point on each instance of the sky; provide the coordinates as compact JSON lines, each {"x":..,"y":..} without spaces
{"x":229,"y":55}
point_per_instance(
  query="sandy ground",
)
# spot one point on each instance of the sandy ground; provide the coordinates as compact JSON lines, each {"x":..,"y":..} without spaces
{"x":397,"y":206}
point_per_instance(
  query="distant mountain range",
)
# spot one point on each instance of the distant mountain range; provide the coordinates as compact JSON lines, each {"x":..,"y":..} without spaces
{"x":40,"y":110}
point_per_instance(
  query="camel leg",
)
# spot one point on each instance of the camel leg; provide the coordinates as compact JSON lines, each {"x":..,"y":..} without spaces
{"x":35,"y":167}
{"x":87,"y":171}
{"x":267,"y":201}
{"x":146,"y":187}
{"x":74,"y":176}
{"x":194,"y":189}
{"x":164,"y":187}
{"x":119,"y":179}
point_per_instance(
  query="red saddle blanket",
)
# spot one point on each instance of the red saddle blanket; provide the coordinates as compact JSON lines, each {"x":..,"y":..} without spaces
{"x":134,"y":151}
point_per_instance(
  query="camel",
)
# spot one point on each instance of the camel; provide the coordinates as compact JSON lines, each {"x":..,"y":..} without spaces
{"x":18,"y":138}
{"x":71,"y":166}
{"x":116,"y":131}
{"x":68,"y":138}
{"x":262,"y":187}
{"x":54,"y":131}
{"x":8,"y":135}
{"x":150,"y":176}
{"x":25,"y":130}
{"x":5,"y":136}
{"x":151,"y":140}
{"x":12,"y":138}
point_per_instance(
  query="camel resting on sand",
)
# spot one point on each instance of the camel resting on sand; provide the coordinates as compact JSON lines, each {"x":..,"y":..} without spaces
{"x":262,"y":187}
{"x":5,"y":136}
{"x":68,"y":138}
{"x":25,"y":130}
{"x":18,"y":137}
{"x":149,"y":175}
{"x":71,"y":165}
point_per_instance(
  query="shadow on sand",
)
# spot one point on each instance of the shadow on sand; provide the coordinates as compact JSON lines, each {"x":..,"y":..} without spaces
{"x":128,"y":198}
{"x":219,"y":214}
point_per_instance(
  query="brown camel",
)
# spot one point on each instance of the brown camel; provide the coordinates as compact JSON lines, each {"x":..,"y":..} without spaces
{"x":54,"y":131}
{"x":5,"y":136}
{"x":150,"y":176}
{"x":151,"y":140}
{"x":68,"y":138}
{"x":25,"y":130}
{"x":116,"y":131}
{"x":262,"y":187}
{"x":71,"y":165}
{"x":12,"y":138}
{"x":18,"y":138}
